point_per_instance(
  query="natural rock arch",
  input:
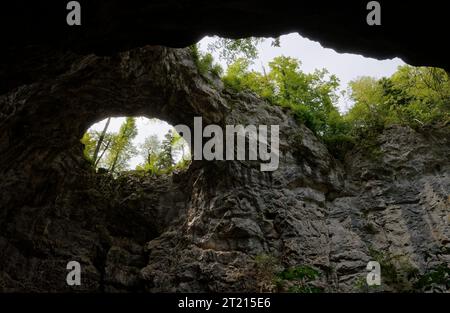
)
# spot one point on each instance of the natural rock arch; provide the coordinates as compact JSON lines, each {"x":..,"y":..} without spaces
{"x":200,"y":230}
{"x":44,"y":121}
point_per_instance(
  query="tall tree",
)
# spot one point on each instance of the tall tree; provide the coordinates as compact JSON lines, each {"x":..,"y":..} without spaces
{"x":232,"y":49}
{"x":166,"y":156}
{"x":122,"y":148}
{"x":150,"y":150}
{"x":414,"y":96}
{"x":100,"y":141}
{"x":151,"y":146}
{"x":179,"y":148}
{"x":107,"y":141}
{"x":311,"y":96}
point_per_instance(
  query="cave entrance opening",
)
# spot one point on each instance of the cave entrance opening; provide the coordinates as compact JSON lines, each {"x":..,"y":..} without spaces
{"x":344,"y":99}
{"x":147,"y":145}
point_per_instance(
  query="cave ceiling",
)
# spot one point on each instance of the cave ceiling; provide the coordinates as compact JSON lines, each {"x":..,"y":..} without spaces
{"x":30,"y":30}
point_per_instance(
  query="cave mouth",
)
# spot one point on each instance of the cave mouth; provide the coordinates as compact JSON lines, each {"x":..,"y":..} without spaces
{"x":135,"y":143}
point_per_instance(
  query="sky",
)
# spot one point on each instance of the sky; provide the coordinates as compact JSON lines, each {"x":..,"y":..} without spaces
{"x":312,"y":55}
{"x":146,"y":127}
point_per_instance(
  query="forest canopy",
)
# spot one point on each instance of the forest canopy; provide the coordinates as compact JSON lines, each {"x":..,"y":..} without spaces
{"x":413,"y":96}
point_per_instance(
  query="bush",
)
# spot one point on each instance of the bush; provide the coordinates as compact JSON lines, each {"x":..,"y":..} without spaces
{"x":205,"y":62}
{"x":299,"y":279}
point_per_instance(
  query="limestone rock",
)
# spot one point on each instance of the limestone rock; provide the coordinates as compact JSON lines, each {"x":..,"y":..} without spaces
{"x":205,"y":229}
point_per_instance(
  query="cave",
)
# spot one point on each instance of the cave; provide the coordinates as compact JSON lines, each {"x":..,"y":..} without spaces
{"x":200,"y":229}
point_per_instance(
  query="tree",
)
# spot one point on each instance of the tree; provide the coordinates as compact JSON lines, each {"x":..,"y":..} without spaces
{"x":311,"y":97}
{"x":238,"y":77}
{"x":151,"y":146}
{"x":367,"y":112}
{"x":180,"y":149}
{"x":422,"y":95}
{"x":100,"y":142}
{"x":232,"y":49}
{"x":166,"y":156}
{"x":205,"y":62}
{"x":414,"y":96}
{"x":150,"y":150}
{"x":122,"y":148}
{"x":91,"y":143}
{"x":107,"y":141}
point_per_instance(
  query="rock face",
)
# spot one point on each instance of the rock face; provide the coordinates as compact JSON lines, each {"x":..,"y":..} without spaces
{"x":206,"y":229}
{"x":407,"y":31}
{"x":32,"y":31}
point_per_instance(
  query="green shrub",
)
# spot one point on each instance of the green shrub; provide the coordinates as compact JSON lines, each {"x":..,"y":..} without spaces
{"x":435,"y":277}
{"x":299,"y":279}
{"x":205,"y":62}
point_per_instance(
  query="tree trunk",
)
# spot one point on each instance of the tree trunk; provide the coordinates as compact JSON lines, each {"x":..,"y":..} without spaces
{"x":100,"y":141}
{"x":116,"y":158}
{"x":101,"y":155}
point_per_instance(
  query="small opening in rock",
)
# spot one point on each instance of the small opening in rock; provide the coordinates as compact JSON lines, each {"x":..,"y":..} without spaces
{"x":437,"y":167}
{"x":119,"y":144}
{"x":270,"y":215}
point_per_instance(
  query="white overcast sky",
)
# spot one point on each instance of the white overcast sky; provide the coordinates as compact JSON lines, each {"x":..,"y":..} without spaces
{"x":312,"y":56}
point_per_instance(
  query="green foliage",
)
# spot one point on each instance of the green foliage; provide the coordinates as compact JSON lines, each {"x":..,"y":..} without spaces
{"x":160,"y":156}
{"x":265,"y":262}
{"x":205,"y":62}
{"x":311,"y":97}
{"x":366,"y":113}
{"x":434,"y":278}
{"x":182,"y":165}
{"x":89,"y":146}
{"x":122,"y":148}
{"x":398,"y":273}
{"x":232,"y":49}
{"x":299,"y":272}
{"x":299,"y":279}
{"x":114,"y":150}
{"x":101,"y":142}
{"x":166,"y":155}
{"x":389,"y":270}
{"x":295,"y":279}
{"x":414,"y":96}
{"x":238,"y":77}
{"x":264,"y":270}
{"x":150,"y":149}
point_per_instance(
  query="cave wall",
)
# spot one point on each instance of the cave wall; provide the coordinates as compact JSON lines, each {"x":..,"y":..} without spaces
{"x":203,"y":229}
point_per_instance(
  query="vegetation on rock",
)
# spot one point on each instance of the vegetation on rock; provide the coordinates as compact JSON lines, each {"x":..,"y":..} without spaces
{"x":413,"y":96}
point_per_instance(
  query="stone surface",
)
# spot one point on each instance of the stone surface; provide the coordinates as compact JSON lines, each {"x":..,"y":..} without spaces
{"x":204,"y":229}
{"x":32,"y":31}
